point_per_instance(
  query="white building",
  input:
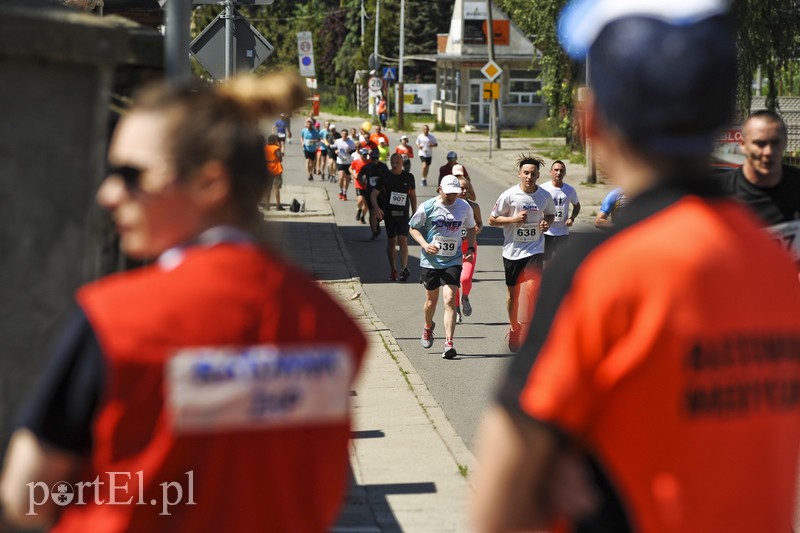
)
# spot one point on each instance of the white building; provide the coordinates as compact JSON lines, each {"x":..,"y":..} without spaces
{"x":464,"y":51}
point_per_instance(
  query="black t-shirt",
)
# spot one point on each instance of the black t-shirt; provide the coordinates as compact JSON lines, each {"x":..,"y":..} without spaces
{"x":63,"y":405}
{"x":331,"y":138}
{"x":773,"y":205}
{"x":395,"y":205}
{"x":371,"y":173}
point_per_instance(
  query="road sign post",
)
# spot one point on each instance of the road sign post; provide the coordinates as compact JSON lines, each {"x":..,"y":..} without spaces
{"x":211,"y":46}
{"x":305,"y":53}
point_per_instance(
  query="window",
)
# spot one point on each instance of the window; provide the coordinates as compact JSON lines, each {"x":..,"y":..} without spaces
{"x":524,"y":87}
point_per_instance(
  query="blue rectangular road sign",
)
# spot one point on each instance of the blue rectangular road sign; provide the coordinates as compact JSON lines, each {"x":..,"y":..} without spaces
{"x":389,"y":74}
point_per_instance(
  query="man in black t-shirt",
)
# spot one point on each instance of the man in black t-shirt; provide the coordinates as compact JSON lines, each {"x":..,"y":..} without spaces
{"x":763,"y":182}
{"x":368,"y":176}
{"x":394,"y":192}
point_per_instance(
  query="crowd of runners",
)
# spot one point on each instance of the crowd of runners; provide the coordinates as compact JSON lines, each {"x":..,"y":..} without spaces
{"x":535,"y":219}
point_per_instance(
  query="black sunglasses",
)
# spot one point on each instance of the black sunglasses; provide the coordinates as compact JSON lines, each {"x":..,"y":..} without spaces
{"x":130,"y":175}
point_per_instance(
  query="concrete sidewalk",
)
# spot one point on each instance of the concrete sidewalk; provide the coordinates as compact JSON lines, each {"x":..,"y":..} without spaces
{"x":409,"y":467}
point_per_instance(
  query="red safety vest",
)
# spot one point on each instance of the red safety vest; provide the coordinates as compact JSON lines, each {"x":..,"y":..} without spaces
{"x":278,"y":478}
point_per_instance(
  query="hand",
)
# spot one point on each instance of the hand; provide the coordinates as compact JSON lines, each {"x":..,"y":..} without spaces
{"x":543,"y":225}
{"x":379,"y":213}
{"x":469,"y":257}
{"x":520,"y":217}
{"x":568,"y":223}
{"x":431,"y":248}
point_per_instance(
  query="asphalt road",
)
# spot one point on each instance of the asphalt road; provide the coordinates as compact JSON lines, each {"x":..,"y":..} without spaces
{"x":463,"y":387}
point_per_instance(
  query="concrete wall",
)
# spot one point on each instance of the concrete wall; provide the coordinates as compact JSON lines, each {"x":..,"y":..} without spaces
{"x":57,"y":70}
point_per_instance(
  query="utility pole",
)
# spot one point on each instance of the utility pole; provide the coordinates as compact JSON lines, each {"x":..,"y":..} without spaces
{"x":401,"y":98}
{"x":176,"y":49}
{"x":592,"y":177}
{"x":229,"y":47}
{"x":362,"y":23}
{"x":375,"y":52}
{"x":494,"y":103}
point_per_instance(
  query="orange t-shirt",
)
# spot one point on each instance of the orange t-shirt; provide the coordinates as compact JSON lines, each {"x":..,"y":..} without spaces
{"x":670,"y":354}
{"x":274,"y":164}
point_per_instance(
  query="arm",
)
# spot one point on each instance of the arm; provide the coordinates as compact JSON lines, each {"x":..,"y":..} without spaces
{"x":515,"y":459}
{"x":576,"y":209}
{"x":471,"y":191}
{"x":544,"y":225}
{"x":471,"y":234}
{"x":29,"y":460}
{"x":425,"y":245}
{"x":519,"y":218}
{"x":412,"y":196}
{"x":373,"y":198}
{"x":476,"y":212}
{"x":602,"y":221}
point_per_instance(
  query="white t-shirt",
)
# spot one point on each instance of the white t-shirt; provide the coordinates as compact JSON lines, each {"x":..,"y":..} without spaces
{"x":442,"y":223}
{"x":563,"y":198}
{"x":344,"y":151}
{"x":526,"y":239}
{"x":424,"y":142}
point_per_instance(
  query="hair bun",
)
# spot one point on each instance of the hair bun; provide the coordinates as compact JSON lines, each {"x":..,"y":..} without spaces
{"x":275,"y":92}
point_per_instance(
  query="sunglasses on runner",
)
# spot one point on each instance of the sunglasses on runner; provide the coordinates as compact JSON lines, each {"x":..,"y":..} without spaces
{"x":130,"y":175}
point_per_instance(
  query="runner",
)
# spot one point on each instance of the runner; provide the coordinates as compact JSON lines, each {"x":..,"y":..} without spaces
{"x":383,"y":151}
{"x":405,"y":150}
{"x":436,"y":226}
{"x":662,"y":354}
{"x":330,"y":141}
{"x":378,"y":135}
{"x":344,"y":148}
{"x":322,"y":150}
{"x":609,"y":209}
{"x":397,"y":190}
{"x":468,"y":267}
{"x":459,"y":171}
{"x":310,"y":137}
{"x":447,"y":168}
{"x":426,"y":143}
{"x":368,"y":177}
{"x":282,"y":130}
{"x":525,"y":212}
{"x":360,"y":159}
{"x":564,"y":195}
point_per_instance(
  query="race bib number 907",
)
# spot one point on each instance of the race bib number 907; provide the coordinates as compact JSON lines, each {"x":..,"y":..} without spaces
{"x":218,"y":389}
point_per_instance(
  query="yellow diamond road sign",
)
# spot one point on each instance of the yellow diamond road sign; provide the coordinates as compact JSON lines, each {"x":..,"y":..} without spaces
{"x":491,"y":70}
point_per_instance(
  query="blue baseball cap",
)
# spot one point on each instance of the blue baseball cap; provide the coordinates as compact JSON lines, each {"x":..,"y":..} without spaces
{"x":663,"y":74}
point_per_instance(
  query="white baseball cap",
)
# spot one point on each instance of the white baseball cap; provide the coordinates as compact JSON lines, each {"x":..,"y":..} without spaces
{"x":458,"y":170}
{"x":450,"y":185}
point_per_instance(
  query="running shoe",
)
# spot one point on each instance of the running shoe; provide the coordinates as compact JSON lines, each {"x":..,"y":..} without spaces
{"x":449,"y":352}
{"x":393,"y":276}
{"x":405,"y":274}
{"x":280,"y":208}
{"x":513,"y":340}
{"x":459,"y":319}
{"x":466,"y":307}
{"x":358,"y":215}
{"x":340,"y":196}
{"x":344,"y":196}
{"x":424,"y":182}
{"x":427,"y":336}
{"x":310,"y":177}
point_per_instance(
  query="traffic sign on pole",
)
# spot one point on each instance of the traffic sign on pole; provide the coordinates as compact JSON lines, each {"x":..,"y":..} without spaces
{"x":305,"y":52}
{"x":251,"y":48}
{"x":491,"y":70}
{"x":491,"y":91}
{"x":375,"y":85}
{"x":389,"y":74}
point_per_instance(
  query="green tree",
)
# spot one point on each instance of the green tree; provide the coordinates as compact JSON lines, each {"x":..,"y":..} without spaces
{"x":766,"y":38}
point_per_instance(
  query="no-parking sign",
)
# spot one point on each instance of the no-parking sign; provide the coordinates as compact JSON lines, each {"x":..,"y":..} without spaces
{"x":305,"y":52}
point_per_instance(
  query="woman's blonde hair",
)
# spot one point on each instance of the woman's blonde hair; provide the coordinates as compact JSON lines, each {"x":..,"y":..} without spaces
{"x":220,"y":123}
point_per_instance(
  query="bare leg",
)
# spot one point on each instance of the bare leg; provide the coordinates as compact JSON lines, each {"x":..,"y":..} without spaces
{"x":391,"y":252}
{"x":448,"y":297}
{"x":403,"y":241}
{"x":429,"y":307}
{"x":511,"y":304}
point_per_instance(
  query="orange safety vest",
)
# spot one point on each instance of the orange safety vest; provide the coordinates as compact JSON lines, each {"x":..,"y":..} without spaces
{"x":274,"y":164}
